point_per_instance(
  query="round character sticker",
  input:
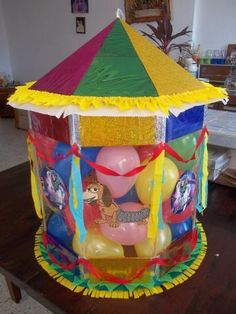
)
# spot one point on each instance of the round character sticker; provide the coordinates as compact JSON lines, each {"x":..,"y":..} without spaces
{"x":54,"y":188}
{"x":183,"y":192}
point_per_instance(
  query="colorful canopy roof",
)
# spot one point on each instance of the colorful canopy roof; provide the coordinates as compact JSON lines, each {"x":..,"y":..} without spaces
{"x":118,"y":68}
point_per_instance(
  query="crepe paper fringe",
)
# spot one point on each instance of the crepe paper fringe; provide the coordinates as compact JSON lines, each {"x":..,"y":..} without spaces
{"x":187,"y":269}
{"x":33,"y":179}
{"x":156,"y":197}
{"x":76,"y":198}
{"x":206,"y":95}
{"x":203,"y":178}
{"x":205,"y":173}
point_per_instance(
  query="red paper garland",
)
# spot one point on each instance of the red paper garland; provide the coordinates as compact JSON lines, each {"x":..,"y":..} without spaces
{"x":97,"y":273}
{"x":156,"y":152}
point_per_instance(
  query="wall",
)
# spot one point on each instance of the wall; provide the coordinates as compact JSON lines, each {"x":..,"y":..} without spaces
{"x":214,"y":23}
{"x":182,"y":12}
{"x":41,"y":33}
{"x":5,"y":65}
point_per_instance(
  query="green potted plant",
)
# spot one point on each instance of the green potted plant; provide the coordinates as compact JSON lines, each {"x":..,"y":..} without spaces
{"x":162,"y":35}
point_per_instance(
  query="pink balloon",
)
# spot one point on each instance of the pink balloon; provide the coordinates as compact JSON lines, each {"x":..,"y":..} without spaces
{"x":120,"y":159}
{"x":128,"y":233}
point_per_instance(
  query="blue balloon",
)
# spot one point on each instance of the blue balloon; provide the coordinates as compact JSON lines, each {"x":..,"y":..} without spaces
{"x":180,"y":229}
{"x":130,"y":196}
{"x":58,"y":229}
{"x":63,"y":167}
{"x":89,"y":153}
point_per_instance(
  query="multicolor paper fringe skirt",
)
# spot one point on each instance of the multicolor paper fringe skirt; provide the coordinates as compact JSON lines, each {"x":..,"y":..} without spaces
{"x":73,"y":281}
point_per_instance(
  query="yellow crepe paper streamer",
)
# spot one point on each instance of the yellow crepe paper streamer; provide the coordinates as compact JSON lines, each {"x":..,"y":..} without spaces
{"x":207,"y":94}
{"x":34,"y":186}
{"x":156,"y":196}
{"x":76,"y":160}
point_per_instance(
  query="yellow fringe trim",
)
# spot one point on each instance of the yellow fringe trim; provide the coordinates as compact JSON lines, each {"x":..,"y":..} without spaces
{"x":206,"y":95}
{"x":94,"y":293}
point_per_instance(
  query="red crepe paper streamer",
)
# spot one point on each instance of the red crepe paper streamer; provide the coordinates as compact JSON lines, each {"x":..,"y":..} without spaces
{"x":97,"y":273}
{"x":156,"y":152}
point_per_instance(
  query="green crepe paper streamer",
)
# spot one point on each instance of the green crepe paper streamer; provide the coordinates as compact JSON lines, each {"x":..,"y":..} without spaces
{"x":175,"y":274}
{"x":160,"y":216}
{"x":200,"y":179}
{"x":180,"y":268}
{"x":116,"y":70}
{"x":166,"y":278}
{"x":121,"y":288}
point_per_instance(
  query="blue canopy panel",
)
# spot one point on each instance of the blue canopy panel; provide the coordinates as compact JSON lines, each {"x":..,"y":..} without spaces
{"x":187,"y":122}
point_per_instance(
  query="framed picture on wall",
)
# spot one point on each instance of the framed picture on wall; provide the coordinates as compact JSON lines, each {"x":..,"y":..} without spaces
{"x":79,"y":6}
{"x":80,"y":25}
{"x":231,"y":47}
{"x":141,"y":11}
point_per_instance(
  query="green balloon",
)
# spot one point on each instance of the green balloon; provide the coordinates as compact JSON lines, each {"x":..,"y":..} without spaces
{"x":185,"y":147}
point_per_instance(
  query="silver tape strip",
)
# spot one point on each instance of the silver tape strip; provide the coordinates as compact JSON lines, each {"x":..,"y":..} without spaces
{"x":74,"y":126}
{"x":30,"y":119}
{"x":160,"y":129}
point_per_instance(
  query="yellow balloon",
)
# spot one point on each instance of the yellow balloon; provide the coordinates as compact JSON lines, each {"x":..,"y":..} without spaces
{"x":171,"y":176}
{"x":96,"y":245}
{"x":163,"y":239}
{"x":145,"y":248}
{"x":144,"y":181}
{"x":148,"y":247}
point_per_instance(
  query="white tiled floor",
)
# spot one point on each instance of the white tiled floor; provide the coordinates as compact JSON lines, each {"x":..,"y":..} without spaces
{"x":26,"y":306}
{"x":13,"y":151}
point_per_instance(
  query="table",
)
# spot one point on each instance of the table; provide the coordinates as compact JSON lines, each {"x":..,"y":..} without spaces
{"x":222,"y":132}
{"x":5,"y":110}
{"x":222,"y":128}
{"x":216,"y":75}
{"x":211,"y":290}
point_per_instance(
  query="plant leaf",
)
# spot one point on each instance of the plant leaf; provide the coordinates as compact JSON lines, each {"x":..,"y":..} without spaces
{"x":168,"y":29}
{"x":151,"y":37}
{"x":157,"y":32}
{"x":163,"y":36}
{"x":184,"y":31}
